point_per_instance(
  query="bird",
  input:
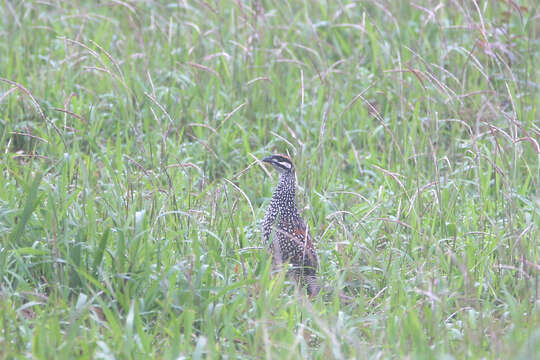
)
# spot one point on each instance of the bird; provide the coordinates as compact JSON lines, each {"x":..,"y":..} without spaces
{"x":284,"y":230}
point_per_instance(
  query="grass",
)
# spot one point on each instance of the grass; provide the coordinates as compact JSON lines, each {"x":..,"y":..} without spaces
{"x":131,"y":197}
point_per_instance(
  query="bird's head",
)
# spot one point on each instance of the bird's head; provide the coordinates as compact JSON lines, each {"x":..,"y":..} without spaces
{"x":281,"y":163}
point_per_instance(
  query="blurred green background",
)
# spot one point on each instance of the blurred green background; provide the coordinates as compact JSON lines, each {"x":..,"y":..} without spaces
{"x":131,"y":196}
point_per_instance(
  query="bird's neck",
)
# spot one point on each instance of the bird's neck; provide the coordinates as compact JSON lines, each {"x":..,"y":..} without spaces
{"x":285,"y":190}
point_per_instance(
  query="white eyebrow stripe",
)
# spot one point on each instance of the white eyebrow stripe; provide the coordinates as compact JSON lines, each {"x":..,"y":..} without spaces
{"x":284,"y":164}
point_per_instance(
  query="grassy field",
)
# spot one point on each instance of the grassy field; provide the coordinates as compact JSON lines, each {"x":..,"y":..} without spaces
{"x":131,"y":194}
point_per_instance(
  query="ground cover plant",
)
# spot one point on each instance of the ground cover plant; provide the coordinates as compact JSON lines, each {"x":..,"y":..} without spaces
{"x":131,"y":196}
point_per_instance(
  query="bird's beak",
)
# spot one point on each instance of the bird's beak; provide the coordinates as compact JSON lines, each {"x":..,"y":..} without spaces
{"x":267,"y":159}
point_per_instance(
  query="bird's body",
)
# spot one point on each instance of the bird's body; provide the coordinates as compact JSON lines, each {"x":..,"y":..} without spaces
{"x":285,"y":231}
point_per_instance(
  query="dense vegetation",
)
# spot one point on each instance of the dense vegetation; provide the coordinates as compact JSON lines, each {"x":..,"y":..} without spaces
{"x":131,"y":194}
